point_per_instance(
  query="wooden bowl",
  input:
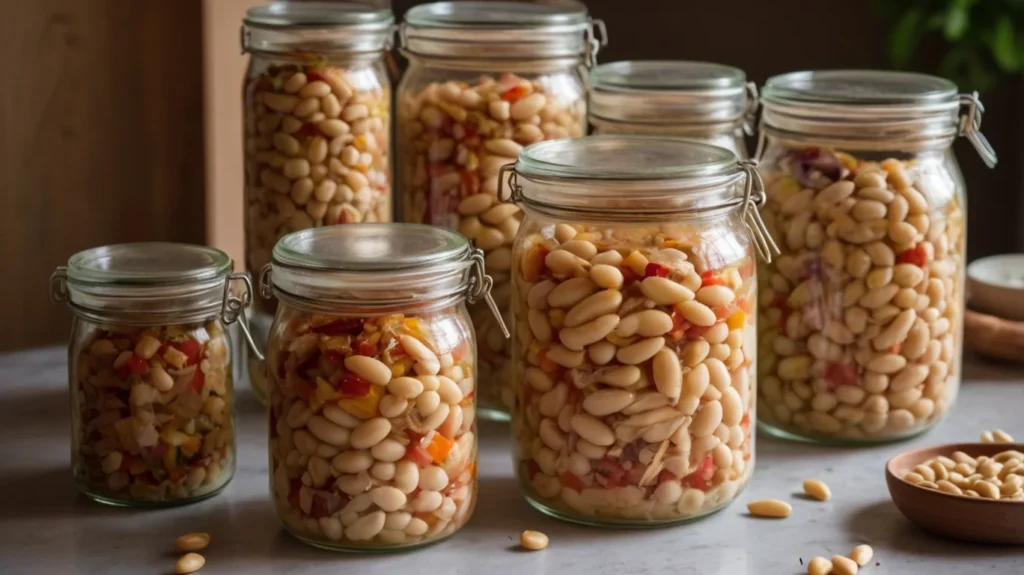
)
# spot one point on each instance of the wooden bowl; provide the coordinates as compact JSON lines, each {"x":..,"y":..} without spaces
{"x":955,"y":516}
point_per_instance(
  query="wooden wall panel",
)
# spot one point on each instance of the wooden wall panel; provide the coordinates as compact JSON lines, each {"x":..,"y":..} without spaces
{"x":100,"y":141}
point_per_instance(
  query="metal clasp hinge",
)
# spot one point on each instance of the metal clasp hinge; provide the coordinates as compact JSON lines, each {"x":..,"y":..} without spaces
{"x":479,"y":287}
{"x":515,"y":191}
{"x":59,"y":285}
{"x":594,"y":40}
{"x":233,"y":308}
{"x":750,"y":111}
{"x":753,"y":198}
{"x":265,"y":284}
{"x":970,"y":128}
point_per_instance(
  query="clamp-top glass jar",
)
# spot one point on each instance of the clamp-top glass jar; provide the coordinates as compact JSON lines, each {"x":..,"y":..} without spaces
{"x":700,"y":101}
{"x":484,"y":80}
{"x":372,"y":384}
{"x":634,"y":295}
{"x":317,"y":108}
{"x":149,"y":371}
{"x":861,"y":317}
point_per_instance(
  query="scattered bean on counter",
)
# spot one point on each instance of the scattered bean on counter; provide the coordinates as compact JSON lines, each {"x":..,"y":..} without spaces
{"x":189,"y":563}
{"x":154,"y":412}
{"x":316,"y":151}
{"x":860,"y":315}
{"x":192,"y":542}
{"x":774,"y":508}
{"x":842,"y":565}
{"x":998,"y":477}
{"x":996,"y":436}
{"x":817,"y":489}
{"x":633,"y":371}
{"x":455,"y":138}
{"x":819,"y":566}
{"x":533,"y":540}
{"x":373,"y":439}
{"x":862,"y":554}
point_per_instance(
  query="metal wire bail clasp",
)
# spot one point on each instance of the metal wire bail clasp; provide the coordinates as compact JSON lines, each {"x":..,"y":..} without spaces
{"x":479,"y":287}
{"x":515,"y":194}
{"x":750,"y":111}
{"x":754,"y":198}
{"x":594,"y":40}
{"x":59,"y":285}
{"x":233,"y":308}
{"x":970,"y":128}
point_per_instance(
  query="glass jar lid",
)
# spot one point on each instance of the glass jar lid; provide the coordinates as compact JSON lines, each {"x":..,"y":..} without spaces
{"x":674,"y":92}
{"x":327,"y":27}
{"x":374,"y":265}
{"x":894,"y":106}
{"x":616,"y":176}
{"x":147,"y":283}
{"x":502,"y":30}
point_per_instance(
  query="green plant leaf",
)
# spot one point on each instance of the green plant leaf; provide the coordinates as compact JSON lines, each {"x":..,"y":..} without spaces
{"x":957,"y":19}
{"x":1004,"y":48}
{"x":904,"y":37}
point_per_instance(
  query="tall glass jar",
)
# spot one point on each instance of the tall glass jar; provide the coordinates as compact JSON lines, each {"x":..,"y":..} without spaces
{"x":700,"y":101}
{"x":484,"y":80}
{"x":150,"y":371}
{"x":633,"y":293}
{"x":862,"y":315}
{"x":371,"y":383}
{"x":317,"y":109}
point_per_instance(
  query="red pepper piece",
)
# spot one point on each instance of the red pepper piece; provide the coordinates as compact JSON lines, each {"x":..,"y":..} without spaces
{"x":198,"y":381}
{"x":191,"y":348}
{"x":572,"y":482}
{"x":612,"y":472}
{"x":176,"y":475}
{"x":515,"y":93}
{"x":304,"y":389}
{"x":417,"y":454}
{"x":470,"y":182}
{"x":837,"y":374}
{"x":709,"y":278}
{"x":325,"y":504}
{"x":293,"y":493}
{"x":343,"y":326}
{"x":334,"y":356}
{"x":354,"y":386}
{"x":680,"y":326}
{"x":701,"y":479}
{"x":628,"y":276}
{"x":696,"y":332}
{"x":915,"y":255}
{"x":366,"y":348}
{"x":666,"y":476}
{"x":781,"y":303}
{"x":656,"y":270}
{"x":312,"y":75}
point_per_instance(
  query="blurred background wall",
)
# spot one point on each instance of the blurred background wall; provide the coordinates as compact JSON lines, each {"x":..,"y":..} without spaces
{"x":121,"y":120}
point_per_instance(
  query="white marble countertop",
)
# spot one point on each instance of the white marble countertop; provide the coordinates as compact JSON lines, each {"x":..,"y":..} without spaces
{"x":46,"y":527}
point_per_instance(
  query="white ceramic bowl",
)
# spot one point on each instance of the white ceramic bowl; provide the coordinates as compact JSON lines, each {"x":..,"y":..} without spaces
{"x":995,"y":285}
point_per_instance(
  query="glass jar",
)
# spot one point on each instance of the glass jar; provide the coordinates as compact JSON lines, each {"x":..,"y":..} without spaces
{"x":862,"y":315}
{"x":700,"y":101}
{"x":634,"y":294}
{"x":149,"y":369}
{"x":317,"y":109}
{"x":371,"y":384}
{"x":484,"y":80}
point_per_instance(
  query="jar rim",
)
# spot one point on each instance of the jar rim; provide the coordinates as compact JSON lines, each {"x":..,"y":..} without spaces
{"x":869,"y":88}
{"x":318,"y":27}
{"x":672,"y":91}
{"x":147,"y":264}
{"x":501,"y":30}
{"x":318,"y":15}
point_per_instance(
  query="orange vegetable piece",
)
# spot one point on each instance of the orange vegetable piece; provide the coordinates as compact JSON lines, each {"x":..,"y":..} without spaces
{"x":736,"y":320}
{"x":439,"y":447}
{"x":362,"y":407}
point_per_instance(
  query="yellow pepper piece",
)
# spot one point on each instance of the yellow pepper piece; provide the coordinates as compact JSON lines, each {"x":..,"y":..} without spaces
{"x":736,"y":320}
{"x":401,"y":367}
{"x":362,"y":407}
{"x":323,"y":393}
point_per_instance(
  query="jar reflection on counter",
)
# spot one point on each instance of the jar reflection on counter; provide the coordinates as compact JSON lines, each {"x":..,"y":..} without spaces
{"x":700,"y":101}
{"x":484,"y":80}
{"x":372,"y":385}
{"x":150,"y":372}
{"x":317,"y":110}
{"x":635,"y":335}
{"x":862,"y":315}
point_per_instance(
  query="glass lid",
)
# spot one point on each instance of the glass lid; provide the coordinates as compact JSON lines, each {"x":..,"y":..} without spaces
{"x":625,"y":157}
{"x":148,"y":263}
{"x":870,"y":87}
{"x":667,"y":76}
{"x":473,"y":14}
{"x":317,"y":14}
{"x":370,"y":247}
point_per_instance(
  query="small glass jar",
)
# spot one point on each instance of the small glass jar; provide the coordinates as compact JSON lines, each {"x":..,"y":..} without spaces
{"x":150,"y":371}
{"x":862,"y":315}
{"x":709,"y":103}
{"x":371,"y":384}
{"x":317,"y":109}
{"x":634,"y":291}
{"x":484,"y":80}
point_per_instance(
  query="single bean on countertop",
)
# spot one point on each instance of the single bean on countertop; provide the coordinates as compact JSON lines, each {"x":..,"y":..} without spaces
{"x":533,"y":540}
{"x":189,"y":563}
